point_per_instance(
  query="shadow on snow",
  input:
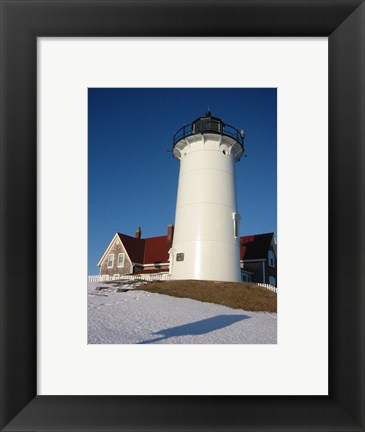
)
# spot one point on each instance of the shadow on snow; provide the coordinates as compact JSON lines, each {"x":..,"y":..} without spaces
{"x":197,"y":328}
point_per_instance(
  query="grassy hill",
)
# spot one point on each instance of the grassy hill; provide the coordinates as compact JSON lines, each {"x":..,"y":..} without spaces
{"x":235,"y":295}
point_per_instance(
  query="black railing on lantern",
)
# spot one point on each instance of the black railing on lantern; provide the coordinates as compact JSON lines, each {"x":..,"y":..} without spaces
{"x":216,"y":127}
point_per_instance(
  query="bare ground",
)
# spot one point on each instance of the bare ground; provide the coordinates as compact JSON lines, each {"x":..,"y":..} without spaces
{"x":235,"y":295}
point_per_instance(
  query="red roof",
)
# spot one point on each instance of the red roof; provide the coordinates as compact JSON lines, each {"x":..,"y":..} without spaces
{"x":157,"y":250}
{"x":255,"y":246}
{"x":146,"y":251}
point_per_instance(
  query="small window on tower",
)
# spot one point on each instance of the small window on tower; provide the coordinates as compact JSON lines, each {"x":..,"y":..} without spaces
{"x":236,"y":224}
{"x":110,"y":260}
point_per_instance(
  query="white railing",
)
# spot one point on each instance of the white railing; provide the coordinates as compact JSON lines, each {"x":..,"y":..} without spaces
{"x":267,"y":286}
{"x":137,"y":277}
{"x":99,"y":278}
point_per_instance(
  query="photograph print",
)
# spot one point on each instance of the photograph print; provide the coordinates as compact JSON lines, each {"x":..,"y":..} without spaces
{"x":182,"y":216}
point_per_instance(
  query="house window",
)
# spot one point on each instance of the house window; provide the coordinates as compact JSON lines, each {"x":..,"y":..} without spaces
{"x":271,"y":258}
{"x":110,"y":260}
{"x":272,"y":281}
{"x":121,"y":260}
{"x":246,"y":277}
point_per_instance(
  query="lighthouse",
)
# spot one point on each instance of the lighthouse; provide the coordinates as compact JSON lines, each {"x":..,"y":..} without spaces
{"x":206,"y":237}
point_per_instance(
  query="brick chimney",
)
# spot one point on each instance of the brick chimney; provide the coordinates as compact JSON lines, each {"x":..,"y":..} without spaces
{"x":138,"y":233}
{"x":170,"y":232}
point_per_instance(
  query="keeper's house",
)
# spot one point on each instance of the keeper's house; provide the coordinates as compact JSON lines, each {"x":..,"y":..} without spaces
{"x":126,"y":255}
{"x":258,"y":258}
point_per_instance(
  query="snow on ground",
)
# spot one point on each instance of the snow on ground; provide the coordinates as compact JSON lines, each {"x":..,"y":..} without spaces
{"x":140,"y":317}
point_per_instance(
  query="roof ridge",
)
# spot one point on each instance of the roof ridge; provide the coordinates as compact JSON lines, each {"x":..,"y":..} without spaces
{"x":126,"y":235}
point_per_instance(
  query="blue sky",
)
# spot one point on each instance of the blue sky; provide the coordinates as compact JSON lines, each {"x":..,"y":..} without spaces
{"x":132,"y":176}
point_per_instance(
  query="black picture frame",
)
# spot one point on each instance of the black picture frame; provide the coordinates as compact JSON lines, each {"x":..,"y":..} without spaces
{"x":21,"y":23}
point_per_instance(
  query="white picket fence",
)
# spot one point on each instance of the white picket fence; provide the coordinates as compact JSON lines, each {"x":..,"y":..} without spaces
{"x":267,"y":286}
{"x":137,"y":277}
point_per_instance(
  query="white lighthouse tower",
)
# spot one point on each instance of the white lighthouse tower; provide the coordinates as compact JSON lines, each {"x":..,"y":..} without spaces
{"x":206,"y":238}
